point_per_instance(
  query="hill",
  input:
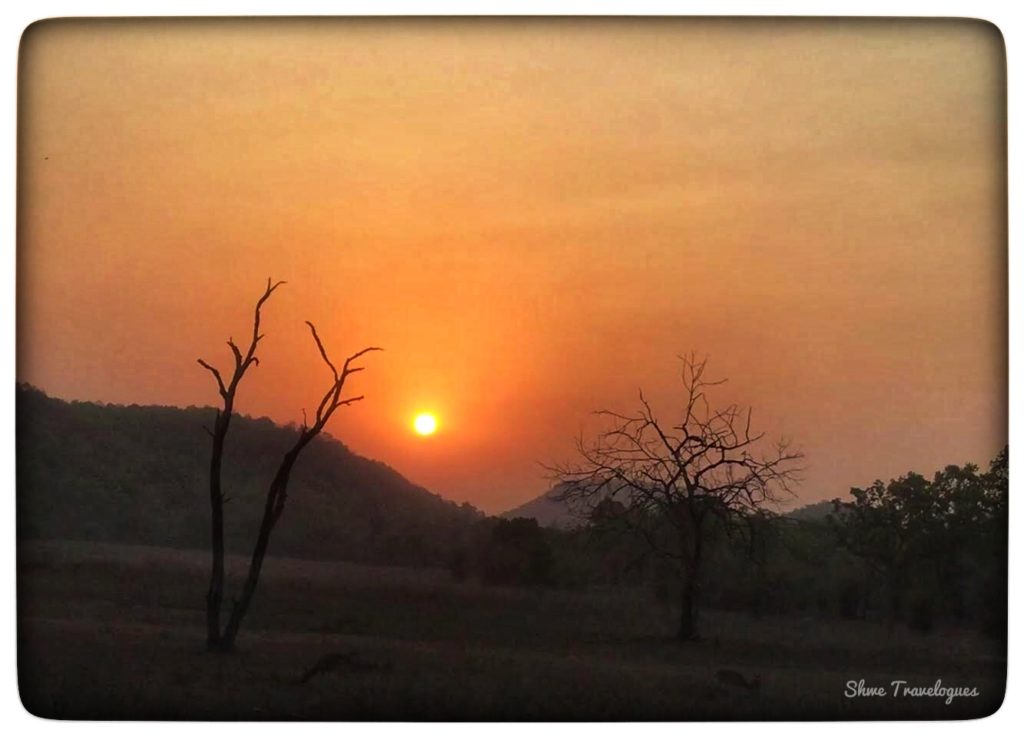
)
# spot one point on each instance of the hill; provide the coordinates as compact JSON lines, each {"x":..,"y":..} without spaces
{"x":546,"y":509}
{"x":138,"y":474}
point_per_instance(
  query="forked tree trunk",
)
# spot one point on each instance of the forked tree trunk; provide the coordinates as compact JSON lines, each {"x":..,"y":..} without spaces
{"x":215,"y":591}
{"x":278,"y":492}
{"x":271,"y":513}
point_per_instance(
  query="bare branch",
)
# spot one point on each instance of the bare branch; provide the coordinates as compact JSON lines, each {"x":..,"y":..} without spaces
{"x":216,"y":375}
{"x":346,"y":370}
{"x":236,"y":352}
{"x":323,"y":352}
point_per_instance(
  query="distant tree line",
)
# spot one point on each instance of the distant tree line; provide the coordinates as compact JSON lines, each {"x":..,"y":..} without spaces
{"x":915,"y":552}
{"x":693,"y":498}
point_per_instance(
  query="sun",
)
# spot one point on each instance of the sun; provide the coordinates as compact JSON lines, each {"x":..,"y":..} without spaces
{"x":425,"y":423}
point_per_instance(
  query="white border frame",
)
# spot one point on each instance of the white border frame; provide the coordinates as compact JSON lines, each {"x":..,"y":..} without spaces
{"x":16,"y":18}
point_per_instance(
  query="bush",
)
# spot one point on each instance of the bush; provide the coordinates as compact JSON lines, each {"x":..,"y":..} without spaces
{"x":517,"y":553}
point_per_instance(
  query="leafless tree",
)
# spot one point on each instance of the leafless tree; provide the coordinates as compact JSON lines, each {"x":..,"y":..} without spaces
{"x":666,"y":481}
{"x":228,"y":390}
{"x":277,"y":494}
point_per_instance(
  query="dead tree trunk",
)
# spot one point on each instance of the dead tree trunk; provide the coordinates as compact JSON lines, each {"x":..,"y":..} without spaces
{"x":215,"y":591}
{"x":271,"y":513}
{"x":277,"y":494}
{"x":216,"y":640}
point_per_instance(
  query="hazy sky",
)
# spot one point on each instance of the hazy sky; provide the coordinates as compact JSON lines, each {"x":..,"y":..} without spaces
{"x":534,"y":219}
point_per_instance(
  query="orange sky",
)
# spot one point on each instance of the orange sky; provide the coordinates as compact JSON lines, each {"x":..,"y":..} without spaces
{"x":534,"y":219}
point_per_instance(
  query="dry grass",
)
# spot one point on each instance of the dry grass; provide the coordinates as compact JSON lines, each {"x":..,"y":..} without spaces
{"x":111,"y":632}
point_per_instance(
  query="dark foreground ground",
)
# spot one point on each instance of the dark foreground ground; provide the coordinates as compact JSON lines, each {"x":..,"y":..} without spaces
{"x":116,"y":632}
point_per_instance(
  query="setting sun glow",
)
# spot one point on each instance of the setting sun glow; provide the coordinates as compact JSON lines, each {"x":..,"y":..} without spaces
{"x":425,"y":424}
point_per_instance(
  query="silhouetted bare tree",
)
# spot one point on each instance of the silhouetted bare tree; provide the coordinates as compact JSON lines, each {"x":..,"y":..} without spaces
{"x":666,"y":481}
{"x":277,"y":494}
{"x":215,"y":592}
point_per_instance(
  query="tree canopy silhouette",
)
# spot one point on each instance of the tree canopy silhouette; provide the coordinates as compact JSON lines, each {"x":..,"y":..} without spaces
{"x":926,"y":542}
{"x":666,"y":481}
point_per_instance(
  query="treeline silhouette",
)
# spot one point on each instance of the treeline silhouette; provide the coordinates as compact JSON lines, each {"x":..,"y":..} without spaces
{"x":134,"y":474}
{"x":915,"y":551}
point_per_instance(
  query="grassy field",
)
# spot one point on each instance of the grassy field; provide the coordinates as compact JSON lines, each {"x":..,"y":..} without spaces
{"x":116,"y":632}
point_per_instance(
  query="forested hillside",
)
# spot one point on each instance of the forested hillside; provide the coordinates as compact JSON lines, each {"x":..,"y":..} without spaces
{"x":139,"y":475}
